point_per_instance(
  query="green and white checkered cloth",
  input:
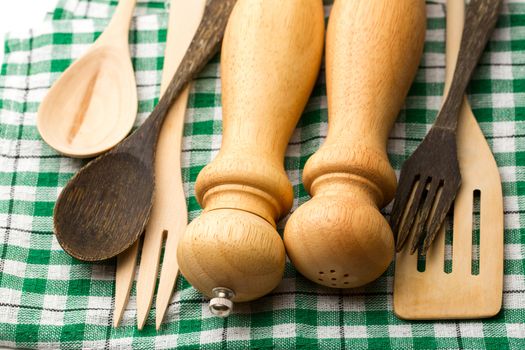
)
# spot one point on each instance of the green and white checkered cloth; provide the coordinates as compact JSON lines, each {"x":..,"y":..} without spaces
{"x":49,"y":300}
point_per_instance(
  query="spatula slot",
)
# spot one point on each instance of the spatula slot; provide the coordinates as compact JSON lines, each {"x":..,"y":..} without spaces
{"x":476,"y":224}
{"x":421,"y":261}
{"x":449,"y":242}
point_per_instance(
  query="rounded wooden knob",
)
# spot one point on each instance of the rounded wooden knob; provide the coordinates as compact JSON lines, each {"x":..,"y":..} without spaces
{"x":352,"y":249}
{"x":339,"y":238}
{"x":233,"y":249}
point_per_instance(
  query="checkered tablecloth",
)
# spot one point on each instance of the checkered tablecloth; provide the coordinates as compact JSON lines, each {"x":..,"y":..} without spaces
{"x":49,"y":300}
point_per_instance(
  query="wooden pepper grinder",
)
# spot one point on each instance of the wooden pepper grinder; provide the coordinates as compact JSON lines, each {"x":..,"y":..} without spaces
{"x":339,"y":238}
{"x":270,"y":60}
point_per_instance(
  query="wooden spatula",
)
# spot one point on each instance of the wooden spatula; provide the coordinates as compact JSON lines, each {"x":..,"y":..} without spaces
{"x":466,"y":291}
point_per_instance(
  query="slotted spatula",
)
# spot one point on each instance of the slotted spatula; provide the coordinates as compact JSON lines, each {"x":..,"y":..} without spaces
{"x":466,"y":291}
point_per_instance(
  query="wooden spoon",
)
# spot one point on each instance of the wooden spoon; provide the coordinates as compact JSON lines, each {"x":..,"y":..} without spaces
{"x":93,"y":105}
{"x":106,"y":205}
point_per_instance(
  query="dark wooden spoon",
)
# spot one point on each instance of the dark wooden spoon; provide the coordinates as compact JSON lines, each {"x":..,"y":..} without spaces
{"x":104,"y":208}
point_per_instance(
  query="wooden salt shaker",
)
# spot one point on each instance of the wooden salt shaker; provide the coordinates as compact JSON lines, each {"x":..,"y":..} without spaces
{"x":339,"y":238}
{"x":270,"y":60}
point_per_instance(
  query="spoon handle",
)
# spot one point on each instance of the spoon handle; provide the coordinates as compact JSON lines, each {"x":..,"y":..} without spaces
{"x":481,"y":19}
{"x":118,"y":27}
{"x":202,"y":48}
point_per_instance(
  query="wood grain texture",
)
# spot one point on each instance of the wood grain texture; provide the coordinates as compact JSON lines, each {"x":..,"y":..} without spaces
{"x":339,"y":238}
{"x":270,"y":60}
{"x":430,"y":178}
{"x":104,"y":208}
{"x":93,"y":105}
{"x":460,"y":294}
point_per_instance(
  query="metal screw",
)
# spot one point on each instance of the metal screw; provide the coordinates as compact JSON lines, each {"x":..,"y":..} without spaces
{"x":221,"y":305}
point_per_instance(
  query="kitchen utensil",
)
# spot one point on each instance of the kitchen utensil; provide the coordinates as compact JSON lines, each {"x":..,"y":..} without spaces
{"x":339,"y":238}
{"x":270,"y":60}
{"x":93,"y":105}
{"x":106,"y":205}
{"x":169,"y":215}
{"x":430,"y":178}
{"x":460,"y":293}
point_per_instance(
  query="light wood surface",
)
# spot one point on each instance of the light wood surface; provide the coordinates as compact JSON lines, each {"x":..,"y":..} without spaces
{"x":169,"y":216}
{"x":435,"y":294}
{"x":270,"y":60}
{"x":339,"y":238}
{"x":93,"y":105}
{"x":125,"y":274}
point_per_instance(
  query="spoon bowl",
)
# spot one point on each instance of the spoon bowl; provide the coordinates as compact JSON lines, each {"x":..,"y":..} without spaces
{"x":122,"y":181}
{"x":92,"y":106}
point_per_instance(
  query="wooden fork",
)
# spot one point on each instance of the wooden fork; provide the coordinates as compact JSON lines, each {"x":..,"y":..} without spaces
{"x":169,"y":212}
{"x":430,"y":178}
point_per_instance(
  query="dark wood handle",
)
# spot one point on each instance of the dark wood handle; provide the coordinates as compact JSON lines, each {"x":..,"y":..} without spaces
{"x":481,"y":19}
{"x":203,"y":47}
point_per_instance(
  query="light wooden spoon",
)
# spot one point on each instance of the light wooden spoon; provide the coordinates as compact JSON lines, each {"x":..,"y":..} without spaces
{"x":93,"y":105}
{"x":106,"y":205}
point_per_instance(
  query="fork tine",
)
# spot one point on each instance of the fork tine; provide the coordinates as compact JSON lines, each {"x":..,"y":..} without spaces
{"x":424,"y":213}
{"x":413,"y":208}
{"x":404,"y":195}
{"x":170,"y":267}
{"x":126,"y":264}
{"x":149,"y":266}
{"x":442,"y":207}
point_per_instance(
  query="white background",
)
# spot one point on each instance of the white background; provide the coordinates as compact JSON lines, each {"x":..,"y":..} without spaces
{"x":21,"y":14}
